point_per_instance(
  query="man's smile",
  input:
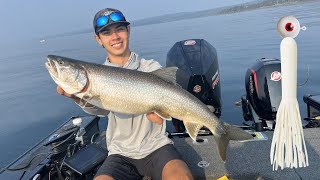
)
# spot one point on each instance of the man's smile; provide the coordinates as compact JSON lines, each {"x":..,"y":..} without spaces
{"x":116,"y":45}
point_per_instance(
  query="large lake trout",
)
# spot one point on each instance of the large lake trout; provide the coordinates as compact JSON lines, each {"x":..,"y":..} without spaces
{"x":134,"y":92}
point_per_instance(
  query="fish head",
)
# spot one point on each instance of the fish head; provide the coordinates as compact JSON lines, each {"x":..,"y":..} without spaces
{"x":67,"y":73}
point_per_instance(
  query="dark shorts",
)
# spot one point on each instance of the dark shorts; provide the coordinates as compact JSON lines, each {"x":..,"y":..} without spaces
{"x":124,"y":168}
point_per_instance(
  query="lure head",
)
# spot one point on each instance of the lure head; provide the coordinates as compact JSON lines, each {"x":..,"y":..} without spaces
{"x":289,"y":26}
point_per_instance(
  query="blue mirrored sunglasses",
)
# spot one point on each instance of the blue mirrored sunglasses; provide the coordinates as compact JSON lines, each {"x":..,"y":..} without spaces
{"x":115,"y":17}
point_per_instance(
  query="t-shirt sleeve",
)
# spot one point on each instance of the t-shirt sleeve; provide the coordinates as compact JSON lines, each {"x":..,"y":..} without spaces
{"x":149,"y":65}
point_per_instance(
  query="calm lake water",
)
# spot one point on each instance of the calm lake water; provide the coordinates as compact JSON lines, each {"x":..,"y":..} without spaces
{"x":31,"y":108}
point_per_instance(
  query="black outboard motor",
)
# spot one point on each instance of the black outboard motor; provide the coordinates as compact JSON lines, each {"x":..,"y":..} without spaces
{"x":263,"y":87}
{"x":199,"y":62}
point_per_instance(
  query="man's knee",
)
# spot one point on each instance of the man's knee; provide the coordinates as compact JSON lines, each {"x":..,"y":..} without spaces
{"x":103,"y":177}
{"x":176,"y":169}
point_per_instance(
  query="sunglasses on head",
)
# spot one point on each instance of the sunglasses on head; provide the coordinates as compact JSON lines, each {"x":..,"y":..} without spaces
{"x":115,"y":17}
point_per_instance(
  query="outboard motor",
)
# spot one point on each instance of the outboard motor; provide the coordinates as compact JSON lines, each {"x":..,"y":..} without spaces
{"x":199,"y":63}
{"x":263,"y":88}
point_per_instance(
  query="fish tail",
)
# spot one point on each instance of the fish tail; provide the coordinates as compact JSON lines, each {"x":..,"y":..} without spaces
{"x":231,"y":133}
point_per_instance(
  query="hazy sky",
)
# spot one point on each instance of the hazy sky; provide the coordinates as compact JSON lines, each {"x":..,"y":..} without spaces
{"x":24,"y":20}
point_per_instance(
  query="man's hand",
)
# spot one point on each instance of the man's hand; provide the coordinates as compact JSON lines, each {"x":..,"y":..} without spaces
{"x":73,"y":97}
{"x":63,"y":93}
{"x":153,"y":117}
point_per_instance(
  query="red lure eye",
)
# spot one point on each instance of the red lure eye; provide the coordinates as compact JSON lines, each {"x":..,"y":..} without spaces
{"x":289,"y":27}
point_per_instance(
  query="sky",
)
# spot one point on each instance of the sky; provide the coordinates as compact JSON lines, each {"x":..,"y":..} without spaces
{"x":25,"y":20}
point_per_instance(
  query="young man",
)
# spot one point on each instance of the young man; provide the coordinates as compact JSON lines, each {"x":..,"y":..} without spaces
{"x":137,"y":144}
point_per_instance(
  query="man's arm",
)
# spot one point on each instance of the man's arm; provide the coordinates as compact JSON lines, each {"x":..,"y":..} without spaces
{"x":87,"y":107}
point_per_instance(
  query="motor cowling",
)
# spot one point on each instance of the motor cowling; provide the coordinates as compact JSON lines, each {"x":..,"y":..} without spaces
{"x":263,"y":91}
{"x":199,"y":62}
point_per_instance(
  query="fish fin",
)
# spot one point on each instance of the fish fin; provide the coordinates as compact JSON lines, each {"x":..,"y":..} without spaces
{"x":193,"y":129}
{"x":231,"y":133}
{"x":222,"y":144}
{"x":173,"y":75}
{"x":211,"y":108}
{"x":163,"y":115}
{"x":86,"y":96}
{"x":236,"y":133}
{"x":167,"y":74}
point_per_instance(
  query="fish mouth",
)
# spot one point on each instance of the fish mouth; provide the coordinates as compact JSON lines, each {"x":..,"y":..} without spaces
{"x":51,"y":66}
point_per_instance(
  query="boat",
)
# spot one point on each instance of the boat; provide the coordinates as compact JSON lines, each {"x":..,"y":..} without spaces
{"x":77,"y":148}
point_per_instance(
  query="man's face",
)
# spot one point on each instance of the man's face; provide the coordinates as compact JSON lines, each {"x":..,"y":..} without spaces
{"x":115,"y":40}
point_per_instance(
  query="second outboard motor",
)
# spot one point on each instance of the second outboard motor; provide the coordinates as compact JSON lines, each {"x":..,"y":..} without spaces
{"x":199,"y":62}
{"x":263,"y":88}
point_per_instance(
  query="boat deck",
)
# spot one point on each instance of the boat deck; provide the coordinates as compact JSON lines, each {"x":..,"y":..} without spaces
{"x":245,"y":160}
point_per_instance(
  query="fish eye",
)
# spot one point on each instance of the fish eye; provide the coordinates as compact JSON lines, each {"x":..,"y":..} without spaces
{"x":288,"y":26}
{"x":60,"y":62}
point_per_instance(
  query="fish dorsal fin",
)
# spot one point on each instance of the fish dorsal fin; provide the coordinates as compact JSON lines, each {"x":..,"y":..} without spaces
{"x":167,"y":74}
{"x":193,"y":129}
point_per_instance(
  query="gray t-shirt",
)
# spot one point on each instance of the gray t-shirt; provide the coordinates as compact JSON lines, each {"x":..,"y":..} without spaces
{"x":133,"y":136}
